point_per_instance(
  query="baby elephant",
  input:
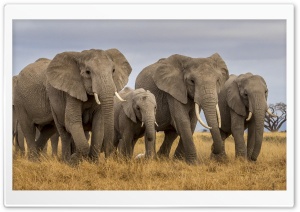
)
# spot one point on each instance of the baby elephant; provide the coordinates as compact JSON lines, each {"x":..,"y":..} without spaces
{"x":243,"y":104}
{"x":134,"y":118}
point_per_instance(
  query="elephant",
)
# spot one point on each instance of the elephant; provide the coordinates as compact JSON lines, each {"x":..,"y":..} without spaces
{"x":18,"y":136}
{"x":243,"y":105}
{"x":81,"y":88}
{"x":71,"y":93}
{"x":32,"y":106}
{"x":181,"y":85}
{"x":135,"y":118}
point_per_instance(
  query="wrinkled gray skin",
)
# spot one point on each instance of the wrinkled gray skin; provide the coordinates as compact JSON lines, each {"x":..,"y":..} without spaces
{"x":19,"y":141}
{"x":139,"y":107}
{"x":72,"y":79}
{"x":178,"y":82}
{"x":18,"y":136}
{"x":61,"y":91}
{"x":31,"y":106}
{"x":243,"y":94}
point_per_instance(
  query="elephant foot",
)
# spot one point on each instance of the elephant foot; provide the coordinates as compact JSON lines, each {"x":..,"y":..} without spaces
{"x":178,"y":156}
{"x":241,"y":157}
{"x":162,"y":154}
{"x":75,"y":159}
{"x":33,"y":157}
{"x":252,"y":159}
{"x":220,"y":158}
{"x":93,"y":159}
{"x":192,"y":160}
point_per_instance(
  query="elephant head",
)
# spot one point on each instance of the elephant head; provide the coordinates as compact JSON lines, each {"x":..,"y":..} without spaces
{"x":140,"y":107}
{"x":91,"y":72}
{"x":247,"y":96}
{"x":198,"y":80}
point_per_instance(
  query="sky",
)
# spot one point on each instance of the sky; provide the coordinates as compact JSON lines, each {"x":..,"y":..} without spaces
{"x":256,"y":46}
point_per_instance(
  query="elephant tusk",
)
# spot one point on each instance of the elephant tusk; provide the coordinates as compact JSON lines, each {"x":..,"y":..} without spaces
{"x":270,"y":113}
{"x":249,"y":116}
{"x":156,"y":124}
{"x":97,"y":98}
{"x":142,"y":124}
{"x":218,"y":115}
{"x":119,"y":97}
{"x":197,"y":109}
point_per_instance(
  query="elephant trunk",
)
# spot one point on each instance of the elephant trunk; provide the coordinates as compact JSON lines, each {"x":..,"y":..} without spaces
{"x":105,"y":90}
{"x":259,"y":116}
{"x":210,"y":112}
{"x":207,"y":97}
{"x":108,"y":118}
{"x":150,"y":135}
{"x":258,"y":107}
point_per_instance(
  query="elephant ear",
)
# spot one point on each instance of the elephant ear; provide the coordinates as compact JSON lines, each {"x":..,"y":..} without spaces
{"x":219,"y":64}
{"x":63,"y":73}
{"x":122,"y":68}
{"x":127,"y":107}
{"x":169,"y":78}
{"x":233,"y":98}
{"x":242,"y":78}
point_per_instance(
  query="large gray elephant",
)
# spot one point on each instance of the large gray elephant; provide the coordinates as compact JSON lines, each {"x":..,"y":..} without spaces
{"x":31,"y":105}
{"x":243,"y":104}
{"x":73,"y":92}
{"x":181,"y":86}
{"x":135,"y":118}
{"x":81,"y":88}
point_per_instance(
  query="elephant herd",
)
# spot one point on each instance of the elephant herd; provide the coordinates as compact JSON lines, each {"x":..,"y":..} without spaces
{"x":80,"y":92}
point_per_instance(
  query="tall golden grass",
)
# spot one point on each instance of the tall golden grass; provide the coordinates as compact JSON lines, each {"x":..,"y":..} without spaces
{"x":268,"y":173}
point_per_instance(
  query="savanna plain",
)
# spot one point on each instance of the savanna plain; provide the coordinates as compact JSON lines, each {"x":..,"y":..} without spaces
{"x":267,"y":173}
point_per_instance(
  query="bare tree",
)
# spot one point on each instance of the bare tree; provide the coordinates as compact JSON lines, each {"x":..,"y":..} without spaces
{"x":273,"y":124}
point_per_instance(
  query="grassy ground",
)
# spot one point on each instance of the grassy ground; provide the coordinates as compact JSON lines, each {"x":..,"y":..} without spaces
{"x":268,"y":173}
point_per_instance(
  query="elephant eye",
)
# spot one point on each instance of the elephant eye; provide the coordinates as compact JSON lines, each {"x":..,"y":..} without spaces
{"x":192,"y":81}
{"x":138,"y":108}
{"x":113,"y":71}
{"x":88,"y":71}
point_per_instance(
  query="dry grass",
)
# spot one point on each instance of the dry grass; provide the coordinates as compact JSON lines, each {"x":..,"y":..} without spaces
{"x":268,"y":173}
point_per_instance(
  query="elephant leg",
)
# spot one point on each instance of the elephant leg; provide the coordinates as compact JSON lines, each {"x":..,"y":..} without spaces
{"x":125,"y":145}
{"x":165,"y":148}
{"x":179,"y":152}
{"x":66,"y":139}
{"x":45,"y":133}
{"x":20,"y":141}
{"x":237,"y":129}
{"x":54,"y":144}
{"x":29,"y":133}
{"x":73,"y":124}
{"x":182,"y":123}
{"x":97,"y":136}
{"x":87,"y":135}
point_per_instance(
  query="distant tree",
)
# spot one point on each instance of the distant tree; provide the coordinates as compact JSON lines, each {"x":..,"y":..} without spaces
{"x":273,"y":124}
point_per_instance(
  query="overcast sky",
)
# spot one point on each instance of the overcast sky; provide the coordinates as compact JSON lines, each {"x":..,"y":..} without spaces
{"x":257,"y":46}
